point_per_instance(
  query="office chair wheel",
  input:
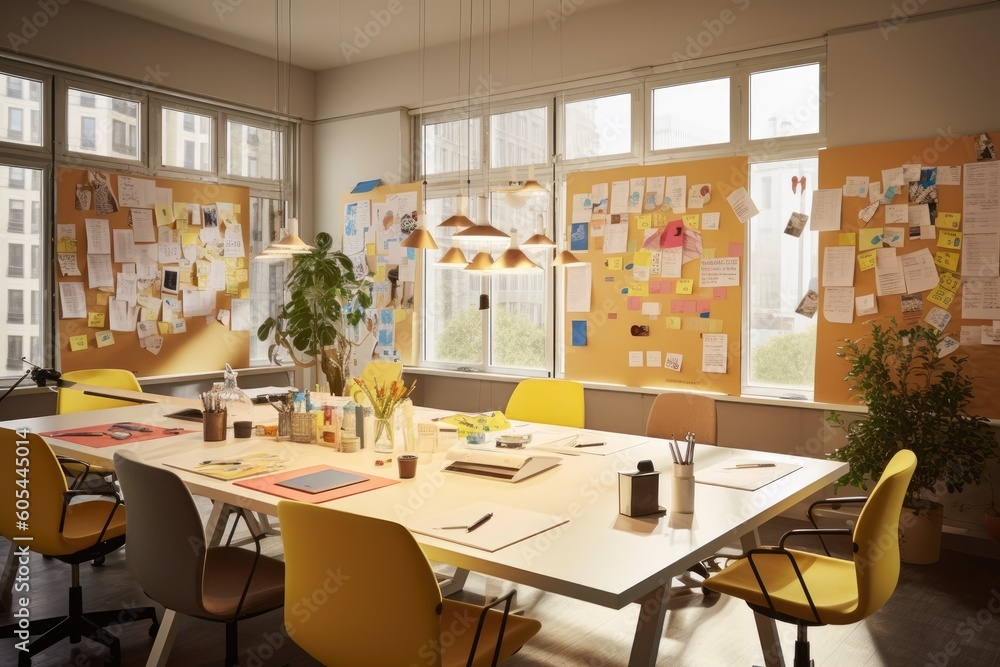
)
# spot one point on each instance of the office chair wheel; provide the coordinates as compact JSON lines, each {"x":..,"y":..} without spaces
{"x":98,"y":562}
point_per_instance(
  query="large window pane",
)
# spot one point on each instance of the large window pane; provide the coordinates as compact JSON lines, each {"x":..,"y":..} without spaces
{"x":452,"y":146}
{"x":21,"y":112}
{"x":185,"y":140}
{"x":784,"y":102}
{"x":253,"y":152}
{"x":782,"y":268}
{"x":518,"y":303}
{"x":598,"y":127}
{"x":453,"y":323}
{"x":102,"y":125}
{"x":519,"y":138}
{"x":267,"y":278}
{"x":691,"y":114}
{"x":20,"y":189}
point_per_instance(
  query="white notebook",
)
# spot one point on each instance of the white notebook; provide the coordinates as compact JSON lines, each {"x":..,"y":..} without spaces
{"x":507,"y":526}
{"x":746,"y":474}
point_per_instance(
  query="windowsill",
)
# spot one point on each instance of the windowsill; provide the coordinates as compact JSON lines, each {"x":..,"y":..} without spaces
{"x":28,"y":387}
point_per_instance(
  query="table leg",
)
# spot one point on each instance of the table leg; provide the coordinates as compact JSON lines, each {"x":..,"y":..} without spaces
{"x":164,"y":639}
{"x":649,"y":627}
{"x":216,"y":524}
{"x":767,"y":628}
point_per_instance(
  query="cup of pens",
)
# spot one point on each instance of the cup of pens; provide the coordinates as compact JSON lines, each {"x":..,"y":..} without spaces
{"x":682,"y":485}
{"x":213,"y":417}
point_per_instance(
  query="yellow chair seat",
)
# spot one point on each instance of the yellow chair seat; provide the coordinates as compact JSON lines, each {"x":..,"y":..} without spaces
{"x":463,"y":615}
{"x":832,"y":584}
{"x":547,"y":401}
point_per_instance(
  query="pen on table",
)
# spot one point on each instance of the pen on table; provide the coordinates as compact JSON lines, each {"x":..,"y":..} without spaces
{"x":591,"y":444}
{"x":751,"y":465}
{"x":221,"y":463}
{"x":478,"y":522}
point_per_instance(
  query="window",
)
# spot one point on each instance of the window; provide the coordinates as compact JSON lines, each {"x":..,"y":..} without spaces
{"x":598,"y":127}
{"x":35,"y":306}
{"x":34,"y":261}
{"x":188,"y":155}
{"x":15,"y":306}
{"x":519,"y":138}
{"x":263,"y":145}
{"x":15,"y":260}
{"x":14,"y":352}
{"x":15,"y":216}
{"x":100,"y":118}
{"x":185,"y":138}
{"x":785,"y":102}
{"x":452,"y":146}
{"x":33,"y":356}
{"x":779,"y":349}
{"x":15,"y":178}
{"x":188,"y":122}
{"x":15,"y":124}
{"x":267,"y":278}
{"x":15,"y":87}
{"x":36,"y":127}
{"x":206,"y":157}
{"x":36,"y":215}
{"x":691,"y":114}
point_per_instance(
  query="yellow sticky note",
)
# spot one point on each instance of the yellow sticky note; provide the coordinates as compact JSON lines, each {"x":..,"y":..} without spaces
{"x":212,"y":253}
{"x":643,"y":258}
{"x":643,"y":221}
{"x":870,"y":238}
{"x":949,"y":281}
{"x":190,"y":238}
{"x":614,"y":263}
{"x":950,"y":239}
{"x":715,"y":326}
{"x":673,"y":322}
{"x":638,"y":288}
{"x":866,"y":260}
{"x":401,"y":314}
{"x":244,"y":292}
{"x":237,"y":208}
{"x":77,"y":343}
{"x":939,"y":296}
{"x":380,"y":273}
{"x":165,"y":328}
{"x":948,"y":220}
{"x":847,"y":238}
{"x":947,"y":260}
{"x":685,"y":286}
{"x":370,"y":249}
{"x":164,"y":215}
{"x":182,"y":225}
{"x":95,"y":320}
{"x":659,"y":219}
{"x":101,"y":298}
{"x":104,"y":338}
{"x":66,"y":245}
{"x":692,"y":221}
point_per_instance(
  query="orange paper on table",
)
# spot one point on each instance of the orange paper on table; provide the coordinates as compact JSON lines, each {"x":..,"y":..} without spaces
{"x":269,"y":484}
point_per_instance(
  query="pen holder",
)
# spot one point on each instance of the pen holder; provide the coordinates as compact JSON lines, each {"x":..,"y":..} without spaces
{"x":682,"y":489}
{"x":214,"y":426}
{"x":284,"y":426}
{"x":639,"y":491}
{"x":303,"y":427}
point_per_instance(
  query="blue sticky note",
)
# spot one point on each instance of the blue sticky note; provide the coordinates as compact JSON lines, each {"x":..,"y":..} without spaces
{"x":579,"y":333}
{"x":411,"y":254}
{"x":366,"y":186}
{"x":579,"y":236}
{"x":704,"y":315}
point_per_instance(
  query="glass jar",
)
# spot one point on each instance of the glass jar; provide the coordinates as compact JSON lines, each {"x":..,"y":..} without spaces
{"x":236,"y":403}
{"x":385,"y":435}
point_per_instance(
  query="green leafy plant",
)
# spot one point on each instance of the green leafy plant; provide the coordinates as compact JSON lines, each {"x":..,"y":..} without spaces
{"x":916,"y":400}
{"x":324,"y":297}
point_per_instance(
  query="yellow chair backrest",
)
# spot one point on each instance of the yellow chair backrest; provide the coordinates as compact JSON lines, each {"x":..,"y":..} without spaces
{"x":675,"y":414}
{"x":71,"y":400}
{"x":876,"y":536}
{"x":547,"y":401}
{"x":374,"y":598}
{"x":382,"y":372}
{"x":31,"y":465}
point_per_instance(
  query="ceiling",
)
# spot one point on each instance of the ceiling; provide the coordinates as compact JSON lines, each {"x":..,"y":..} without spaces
{"x":332,"y":33}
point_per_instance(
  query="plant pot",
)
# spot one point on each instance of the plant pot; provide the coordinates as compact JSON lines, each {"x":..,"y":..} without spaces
{"x":920,"y":533}
{"x":991,"y":519}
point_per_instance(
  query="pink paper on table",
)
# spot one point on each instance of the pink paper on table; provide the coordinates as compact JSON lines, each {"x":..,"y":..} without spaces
{"x":269,"y":484}
{"x":101,"y":441}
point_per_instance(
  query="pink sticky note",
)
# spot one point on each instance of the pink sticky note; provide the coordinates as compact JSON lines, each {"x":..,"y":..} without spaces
{"x":704,"y":305}
{"x":633,"y":303}
{"x":673,"y":235}
{"x":654,"y":286}
{"x":676,"y":306}
{"x":719,"y":293}
{"x":735,"y":249}
{"x":612,"y":316}
{"x":689,"y":305}
{"x":667,"y":286}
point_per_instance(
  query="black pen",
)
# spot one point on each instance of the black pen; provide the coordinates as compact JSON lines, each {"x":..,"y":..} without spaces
{"x":591,"y":444}
{"x":478,"y":522}
{"x":739,"y":466}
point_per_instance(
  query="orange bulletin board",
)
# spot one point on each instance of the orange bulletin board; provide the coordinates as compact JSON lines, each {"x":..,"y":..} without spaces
{"x":202,"y":343}
{"x":684,"y":319}
{"x":404,"y":298}
{"x":835,"y":167}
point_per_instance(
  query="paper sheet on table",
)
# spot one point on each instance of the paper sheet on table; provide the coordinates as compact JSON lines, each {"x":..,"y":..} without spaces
{"x":564,"y":440}
{"x":981,"y":197}
{"x":825,"y":213}
{"x":838,"y":304}
{"x":727,"y":474}
{"x":838,"y":266}
{"x":578,"y":287}
{"x":507,"y":526}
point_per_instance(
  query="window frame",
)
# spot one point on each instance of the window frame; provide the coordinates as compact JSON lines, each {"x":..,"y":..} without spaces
{"x":157,"y":105}
{"x":65,"y":157}
{"x":637,"y":92}
{"x":285,"y":154}
{"x":44,"y":148}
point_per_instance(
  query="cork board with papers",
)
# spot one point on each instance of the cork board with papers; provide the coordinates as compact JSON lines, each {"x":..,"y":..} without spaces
{"x":928,"y":252}
{"x":658,"y":301}
{"x":151,"y":274}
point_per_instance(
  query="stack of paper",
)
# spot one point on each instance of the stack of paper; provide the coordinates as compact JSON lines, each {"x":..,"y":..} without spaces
{"x":233,"y":467}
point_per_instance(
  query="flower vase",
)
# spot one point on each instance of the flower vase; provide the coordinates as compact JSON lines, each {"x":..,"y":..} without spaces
{"x":385,"y":435}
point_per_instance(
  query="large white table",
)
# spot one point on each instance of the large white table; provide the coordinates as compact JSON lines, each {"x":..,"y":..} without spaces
{"x":599,"y":556}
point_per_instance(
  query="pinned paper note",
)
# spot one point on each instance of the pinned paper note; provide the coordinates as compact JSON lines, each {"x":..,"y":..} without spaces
{"x":866,"y":305}
{"x":673,"y":361}
{"x":938,"y":318}
{"x":742,"y":205}
{"x":809,"y":304}
{"x":796,"y":224}
{"x":78,"y":343}
{"x":635,"y":359}
{"x":710,"y":221}
{"x":104,"y":338}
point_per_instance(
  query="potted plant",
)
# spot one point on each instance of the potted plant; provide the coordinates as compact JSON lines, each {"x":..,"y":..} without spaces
{"x":324,"y":297}
{"x":917,"y":399}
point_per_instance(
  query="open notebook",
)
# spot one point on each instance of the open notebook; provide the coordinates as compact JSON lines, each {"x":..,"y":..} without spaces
{"x":507,"y":526}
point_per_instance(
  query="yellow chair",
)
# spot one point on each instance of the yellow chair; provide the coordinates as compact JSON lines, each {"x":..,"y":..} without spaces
{"x":377,"y":600}
{"x":810,"y":589}
{"x":675,"y":414}
{"x":382,"y":372}
{"x":72,"y":532}
{"x":547,"y":401}
{"x":73,"y":400}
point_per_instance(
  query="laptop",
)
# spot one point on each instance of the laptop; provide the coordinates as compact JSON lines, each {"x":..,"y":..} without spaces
{"x":322,"y":480}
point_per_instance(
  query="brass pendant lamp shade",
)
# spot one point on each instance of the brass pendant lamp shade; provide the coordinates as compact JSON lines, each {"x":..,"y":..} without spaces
{"x":539,"y":241}
{"x":453,"y":259}
{"x":566,"y":258}
{"x":290,"y":245}
{"x":481,"y":262}
{"x":421,"y":239}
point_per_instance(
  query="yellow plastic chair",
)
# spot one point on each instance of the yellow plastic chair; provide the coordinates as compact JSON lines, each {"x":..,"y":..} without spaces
{"x":811,"y":589}
{"x":381,"y":604}
{"x":73,"y":400}
{"x":676,"y":414}
{"x":547,"y":401}
{"x":382,"y":372}
{"x":72,"y":532}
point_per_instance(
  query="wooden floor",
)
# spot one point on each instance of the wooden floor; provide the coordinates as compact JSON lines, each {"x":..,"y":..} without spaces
{"x":947,"y":614}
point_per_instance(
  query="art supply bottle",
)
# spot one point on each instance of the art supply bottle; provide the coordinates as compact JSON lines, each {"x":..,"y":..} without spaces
{"x":234,"y":400}
{"x":349,"y":424}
